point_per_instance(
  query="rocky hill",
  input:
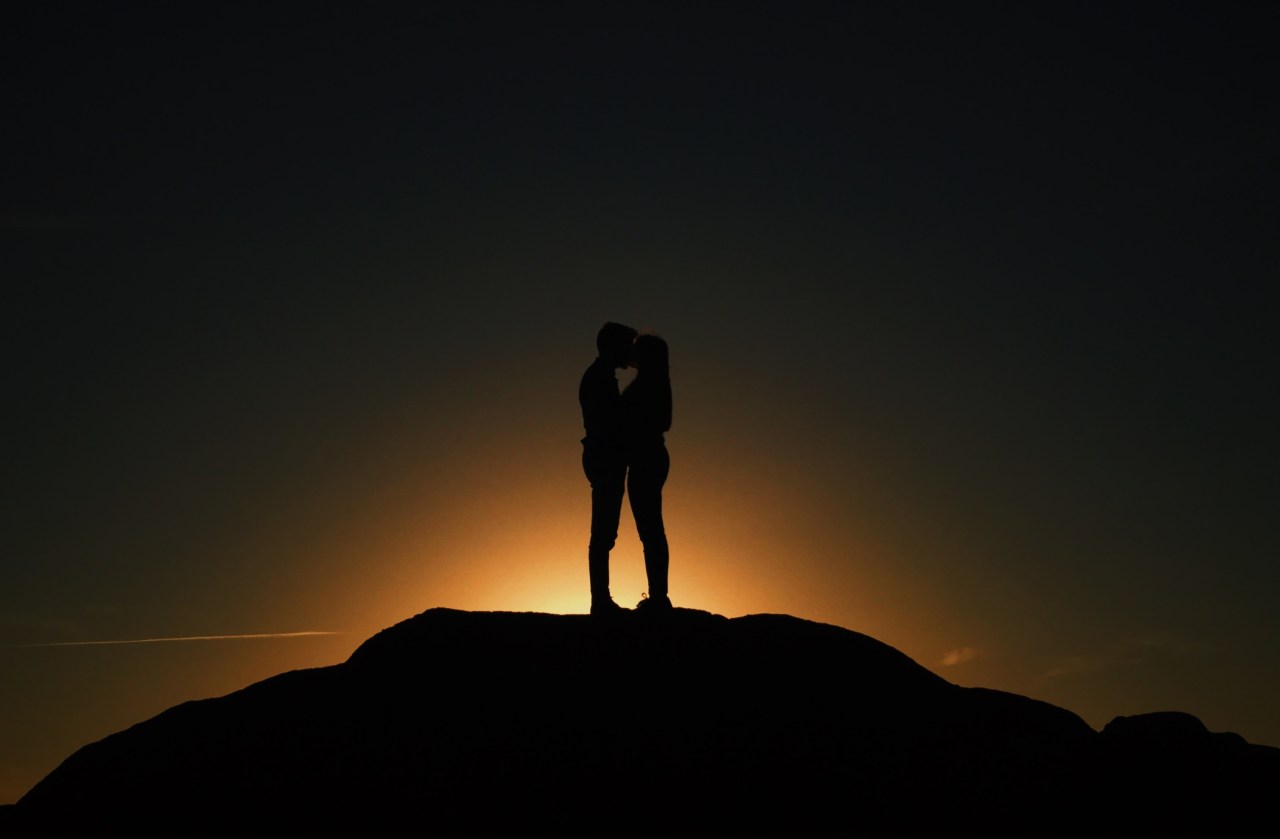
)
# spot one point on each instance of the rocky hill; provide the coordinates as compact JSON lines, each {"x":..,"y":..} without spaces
{"x":463,"y":721}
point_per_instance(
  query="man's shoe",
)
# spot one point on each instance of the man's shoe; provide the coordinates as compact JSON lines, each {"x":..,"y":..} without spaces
{"x":654,"y":605}
{"x":605,"y":608}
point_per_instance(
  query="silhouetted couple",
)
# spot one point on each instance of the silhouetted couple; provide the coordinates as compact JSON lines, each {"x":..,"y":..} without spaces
{"x":624,"y":450}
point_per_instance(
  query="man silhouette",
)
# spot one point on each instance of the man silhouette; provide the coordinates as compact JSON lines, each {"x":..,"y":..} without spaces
{"x":604,"y":458}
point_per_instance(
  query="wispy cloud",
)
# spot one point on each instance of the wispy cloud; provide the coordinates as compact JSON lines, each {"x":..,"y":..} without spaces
{"x":958,"y":656}
{"x":1074,"y":665}
{"x":1124,"y":653}
{"x":241,"y":637}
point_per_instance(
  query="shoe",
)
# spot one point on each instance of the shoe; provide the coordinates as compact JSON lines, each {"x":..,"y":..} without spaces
{"x":606,"y":608}
{"x":654,"y":605}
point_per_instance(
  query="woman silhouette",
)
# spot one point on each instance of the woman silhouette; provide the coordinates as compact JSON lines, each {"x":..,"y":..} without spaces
{"x":646,"y":416}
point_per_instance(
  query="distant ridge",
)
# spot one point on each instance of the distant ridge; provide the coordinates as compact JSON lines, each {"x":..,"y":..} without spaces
{"x":474,"y":720}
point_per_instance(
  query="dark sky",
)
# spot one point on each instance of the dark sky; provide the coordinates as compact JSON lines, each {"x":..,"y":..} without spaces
{"x":969,"y":312}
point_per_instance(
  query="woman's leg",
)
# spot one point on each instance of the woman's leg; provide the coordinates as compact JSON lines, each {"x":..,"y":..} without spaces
{"x":647,"y":475}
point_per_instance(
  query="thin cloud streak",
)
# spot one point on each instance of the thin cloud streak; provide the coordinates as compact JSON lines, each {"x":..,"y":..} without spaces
{"x":245,"y":636}
{"x":1125,"y":653}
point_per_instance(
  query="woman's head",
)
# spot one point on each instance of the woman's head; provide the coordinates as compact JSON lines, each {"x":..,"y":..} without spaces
{"x":650,"y":355}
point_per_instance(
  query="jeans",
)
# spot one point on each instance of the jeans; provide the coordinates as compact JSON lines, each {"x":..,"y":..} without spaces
{"x":649,"y":468}
{"x":607,"y":474}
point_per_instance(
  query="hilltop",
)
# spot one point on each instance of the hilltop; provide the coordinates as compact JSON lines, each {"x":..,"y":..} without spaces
{"x":466,"y":720}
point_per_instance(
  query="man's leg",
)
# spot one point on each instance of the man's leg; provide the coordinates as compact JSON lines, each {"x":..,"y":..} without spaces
{"x":608,"y":482}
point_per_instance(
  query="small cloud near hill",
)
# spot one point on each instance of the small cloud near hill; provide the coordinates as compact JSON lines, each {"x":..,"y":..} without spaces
{"x":958,"y":656}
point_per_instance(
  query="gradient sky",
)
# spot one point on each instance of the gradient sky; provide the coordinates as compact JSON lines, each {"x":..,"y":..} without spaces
{"x":971,"y":344}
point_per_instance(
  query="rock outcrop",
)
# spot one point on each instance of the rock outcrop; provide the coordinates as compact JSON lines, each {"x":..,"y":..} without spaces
{"x":458,"y":720}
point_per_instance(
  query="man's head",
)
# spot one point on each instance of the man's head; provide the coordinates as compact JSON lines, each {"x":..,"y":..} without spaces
{"x":614,"y":341}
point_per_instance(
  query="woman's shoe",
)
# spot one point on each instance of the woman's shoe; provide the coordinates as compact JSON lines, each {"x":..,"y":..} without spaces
{"x":654,"y":605}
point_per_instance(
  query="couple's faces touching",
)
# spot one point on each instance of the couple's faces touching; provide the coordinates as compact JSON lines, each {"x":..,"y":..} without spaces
{"x":623,"y":347}
{"x":624,"y":357}
{"x":632,"y":356}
